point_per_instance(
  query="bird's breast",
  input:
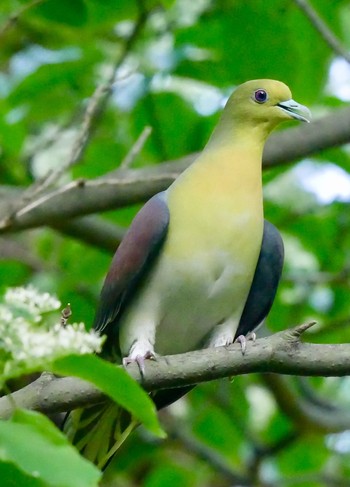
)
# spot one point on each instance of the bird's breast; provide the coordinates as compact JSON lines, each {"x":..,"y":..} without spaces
{"x":204,"y":271}
{"x":206,"y":281}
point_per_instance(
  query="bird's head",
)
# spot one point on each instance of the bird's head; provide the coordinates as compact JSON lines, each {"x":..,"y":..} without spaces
{"x":264,"y":103}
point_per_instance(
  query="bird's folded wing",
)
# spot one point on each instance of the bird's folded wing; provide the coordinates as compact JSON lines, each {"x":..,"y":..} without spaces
{"x":133,"y":260}
{"x":265,"y":282}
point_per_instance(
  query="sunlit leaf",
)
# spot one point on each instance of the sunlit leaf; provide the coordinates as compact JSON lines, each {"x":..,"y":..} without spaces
{"x":115,"y":382}
{"x":34,"y":451}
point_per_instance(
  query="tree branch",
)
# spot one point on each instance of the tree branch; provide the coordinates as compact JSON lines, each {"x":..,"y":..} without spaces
{"x":11,"y":249}
{"x":322,"y":28}
{"x":93,"y":111}
{"x":93,"y":231}
{"x":122,"y":188}
{"x":282,"y":353}
{"x":136,"y":148}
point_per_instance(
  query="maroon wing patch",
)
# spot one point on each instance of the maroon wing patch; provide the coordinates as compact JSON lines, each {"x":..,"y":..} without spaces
{"x":133,"y":260}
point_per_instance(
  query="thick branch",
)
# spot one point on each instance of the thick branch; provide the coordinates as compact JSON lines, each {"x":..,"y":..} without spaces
{"x":281,"y":353}
{"x":127,"y":187}
{"x":94,"y":231}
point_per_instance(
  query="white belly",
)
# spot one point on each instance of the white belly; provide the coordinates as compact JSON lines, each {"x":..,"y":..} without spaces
{"x":185,"y":298}
{"x":199,"y":297}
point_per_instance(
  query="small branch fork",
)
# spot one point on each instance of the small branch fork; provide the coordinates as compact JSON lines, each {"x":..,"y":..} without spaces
{"x":282,"y":353}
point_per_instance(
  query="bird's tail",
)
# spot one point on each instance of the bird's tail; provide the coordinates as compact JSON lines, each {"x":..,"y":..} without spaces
{"x":99,"y":431}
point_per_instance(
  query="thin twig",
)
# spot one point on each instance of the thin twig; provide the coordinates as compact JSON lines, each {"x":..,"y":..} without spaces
{"x":95,"y":107}
{"x":326,"y":34}
{"x":14,"y":17}
{"x":98,"y":101}
{"x":136,"y":148}
{"x":341,"y":277}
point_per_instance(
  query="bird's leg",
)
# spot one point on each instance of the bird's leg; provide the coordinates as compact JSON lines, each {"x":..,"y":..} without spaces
{"x":140,"y":360}
{"x":223,"y":334}
{"x":137,"y":338}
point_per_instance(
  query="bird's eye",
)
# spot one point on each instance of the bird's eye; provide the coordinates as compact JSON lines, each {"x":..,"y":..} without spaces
{"x":260,"y":96}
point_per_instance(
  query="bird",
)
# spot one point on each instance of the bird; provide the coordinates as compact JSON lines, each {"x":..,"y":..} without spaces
{"x":199,"y":266}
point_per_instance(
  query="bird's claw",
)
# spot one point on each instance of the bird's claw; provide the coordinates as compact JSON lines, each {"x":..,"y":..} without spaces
{"x":140,"y":361}
{"x":251,"y":336}
{"x":242,"y":340}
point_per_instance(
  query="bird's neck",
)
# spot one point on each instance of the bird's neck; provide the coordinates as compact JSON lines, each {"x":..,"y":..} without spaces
{"x":227,"y":171}
{"x":234,"y":157}
{"x":240,"y":135}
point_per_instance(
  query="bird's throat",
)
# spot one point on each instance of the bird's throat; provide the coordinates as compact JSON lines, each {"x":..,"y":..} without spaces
{"x":226,"y":187}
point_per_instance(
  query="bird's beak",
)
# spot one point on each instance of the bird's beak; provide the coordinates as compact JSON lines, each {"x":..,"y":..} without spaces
{"x":295,"y":110}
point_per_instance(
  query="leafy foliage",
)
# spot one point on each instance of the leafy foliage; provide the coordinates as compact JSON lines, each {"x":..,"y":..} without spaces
{"x":115,"y":382}
{"x":26,"y":440}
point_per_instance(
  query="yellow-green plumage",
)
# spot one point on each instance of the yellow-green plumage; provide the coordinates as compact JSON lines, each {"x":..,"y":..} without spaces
{"x":207,"y":233}
{"x":202,"y":278}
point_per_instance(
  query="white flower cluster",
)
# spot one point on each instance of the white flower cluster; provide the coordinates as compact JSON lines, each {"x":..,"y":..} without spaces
{"x":27,"y":342}
{"x":30,"y":300}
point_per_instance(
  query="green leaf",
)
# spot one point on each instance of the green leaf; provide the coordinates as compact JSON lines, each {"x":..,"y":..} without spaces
{"x":70,"y":12}
{"x":116,"y":383}
{"x":111,"y":10}
{"x":170,"y":475}
{"x":232,"y":56}
{"x":33,"y":451}
{"x":12,"y":476}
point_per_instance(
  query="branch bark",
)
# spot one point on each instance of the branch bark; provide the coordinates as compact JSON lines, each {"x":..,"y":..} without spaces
{"x":122,"y":188}
{"x":282,"y":353}
{"x":93,"y":231}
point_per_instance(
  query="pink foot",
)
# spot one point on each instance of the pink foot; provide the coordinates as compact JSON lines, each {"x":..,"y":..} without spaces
{"x":242,"y":340}
{"x":139,"y":360}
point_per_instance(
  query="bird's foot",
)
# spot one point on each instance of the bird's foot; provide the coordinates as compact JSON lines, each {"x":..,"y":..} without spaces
{"x":242,"y":340}
{"x":139,"y":359}
{"x":251,"y":336}
{"x":222,"y":340}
